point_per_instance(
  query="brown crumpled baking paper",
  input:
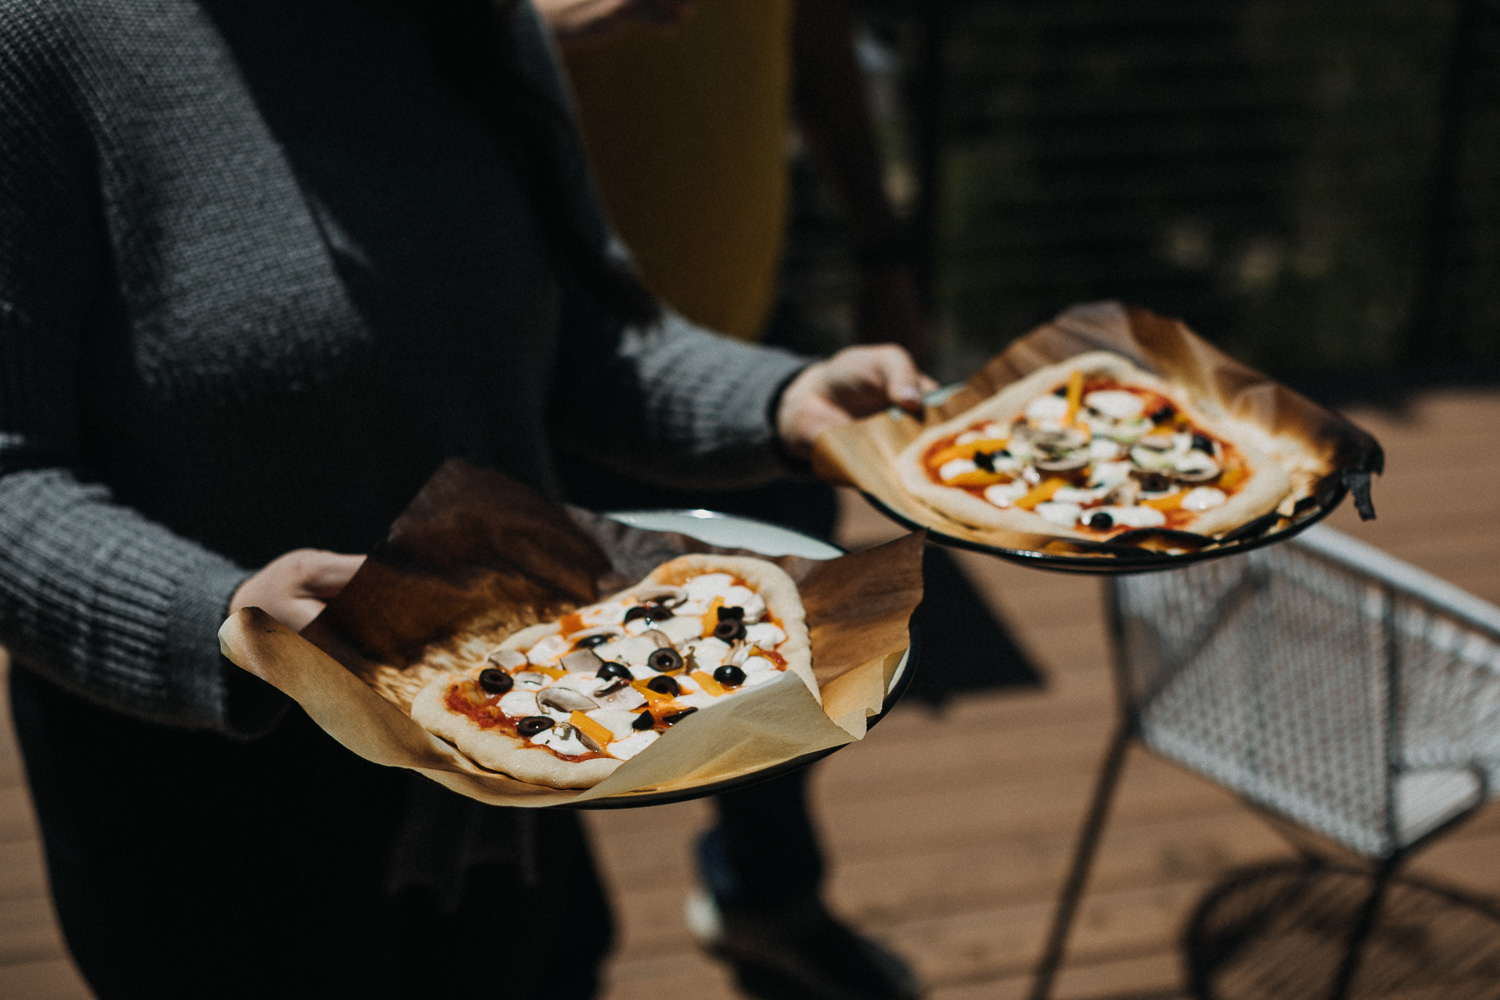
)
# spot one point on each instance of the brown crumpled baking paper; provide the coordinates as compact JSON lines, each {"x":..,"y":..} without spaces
{"x":1323,"y":450}
{"x":477,"y":556}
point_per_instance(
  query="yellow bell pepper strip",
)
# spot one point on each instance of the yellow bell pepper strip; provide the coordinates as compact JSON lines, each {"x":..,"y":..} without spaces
{"x":711,"y":616}
{"x":707,"y":683}
{"x":978,"y":478}
{"x":948,"y":454}
{"x":1166,"y":503}
{"x":652,"y":697}
{"x":591,"y":729}
{"x":1232,"y":477}
{"x":1075,"y":396}
{"x":1041,"y":492}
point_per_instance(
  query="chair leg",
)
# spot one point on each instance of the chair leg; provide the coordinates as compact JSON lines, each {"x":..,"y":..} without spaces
{"x":1364,"y":924}
{"x":1083,"y":859}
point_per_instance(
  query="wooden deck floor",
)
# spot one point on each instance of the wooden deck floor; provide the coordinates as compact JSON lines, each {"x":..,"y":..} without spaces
{"x":949,"y":832}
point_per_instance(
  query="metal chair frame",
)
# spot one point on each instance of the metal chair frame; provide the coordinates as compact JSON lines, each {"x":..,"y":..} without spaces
{"x":1396,"y":582}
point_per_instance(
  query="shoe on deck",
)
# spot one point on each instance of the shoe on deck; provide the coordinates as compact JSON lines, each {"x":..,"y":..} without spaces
{"x":797,"y":951}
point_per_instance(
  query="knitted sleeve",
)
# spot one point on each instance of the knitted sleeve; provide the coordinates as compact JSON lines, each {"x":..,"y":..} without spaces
{"x":92,"y":594}
{"x":672,"y":404}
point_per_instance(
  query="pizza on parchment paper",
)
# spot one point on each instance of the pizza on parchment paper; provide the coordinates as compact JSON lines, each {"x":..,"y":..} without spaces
{"x":565,"y":703}
{"x":1090,"y":448}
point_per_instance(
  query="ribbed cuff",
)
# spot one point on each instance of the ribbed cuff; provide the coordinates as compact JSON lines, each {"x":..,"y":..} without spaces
{"x":230,"y":699}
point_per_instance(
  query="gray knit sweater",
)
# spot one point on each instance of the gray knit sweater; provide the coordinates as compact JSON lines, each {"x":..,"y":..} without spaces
{"x":259,"y":276}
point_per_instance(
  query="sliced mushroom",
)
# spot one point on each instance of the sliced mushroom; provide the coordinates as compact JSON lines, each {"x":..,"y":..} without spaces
{"x":1124,"y":495}
{"x":739,"y":652}
{"x":1063,"y":463}
{"x":507,"y":659}
{"x":581,"y":660}
{"x":665,"y":593}
{"x":600,"y":632}
{"x":586,"y":740}
{"x":1195,"y":467}
{"x":1156,"y":441}
{"x":659,"y":637}
{"x":565,"y":700}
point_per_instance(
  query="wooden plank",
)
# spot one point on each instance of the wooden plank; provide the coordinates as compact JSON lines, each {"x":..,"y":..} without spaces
{"x":47,"y":979}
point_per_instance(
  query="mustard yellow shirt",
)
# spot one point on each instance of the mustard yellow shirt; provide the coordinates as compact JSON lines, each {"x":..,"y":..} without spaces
{"x":687,"y":133}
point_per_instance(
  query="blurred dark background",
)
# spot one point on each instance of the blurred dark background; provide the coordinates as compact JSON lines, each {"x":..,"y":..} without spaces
{"x":1315,"y":187}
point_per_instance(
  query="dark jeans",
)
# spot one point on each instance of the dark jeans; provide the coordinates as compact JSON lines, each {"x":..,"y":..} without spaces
{"x":184,"y":864}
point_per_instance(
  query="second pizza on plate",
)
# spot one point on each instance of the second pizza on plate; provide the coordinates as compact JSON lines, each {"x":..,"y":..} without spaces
{"x":1090,"y":448}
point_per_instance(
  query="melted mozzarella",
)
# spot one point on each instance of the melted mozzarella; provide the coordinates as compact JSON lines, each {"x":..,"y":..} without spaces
{"x":624,"y":699}
{"x":1005,"y":494}
{"x":708,"y":586}
{"x":1133,"y":517}
{"x":1072,"y":494}
{"x":519,"y":704}
{"x":1103,"y":449}
{"x":1203,"y":498}
{"x":1064,"y":514}
{"x":710,"y":653}
{"x":682,"y":627}
{"x":1117,"y":404}
{"x":1109,"y":474}
{"x":604,"y":614}
{"x":620,"y":723}
{"x":1047,"y":409}
{"x":744,"y":597}
{"x":631,"y":651}
{"x":758,"y":665}
{"x":765,"y":635}
{"x":548,"y":650}
{"x":956,"y":467}
{"x":632,"y":744}
{"x":553,"y":739}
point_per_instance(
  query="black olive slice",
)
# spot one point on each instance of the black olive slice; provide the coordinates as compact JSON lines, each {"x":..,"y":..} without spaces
{"x":1203,"y":443}
{"x":651,"y":610}
{"x":533,"y":724}
{"x":1162,"y":413}
{"x":1061,"y":390}
{"x":590,"y":641}
{"x":664,"y":685}
{"x":726,"y":611}
{"x":644,"y":721}
{"x":729,"y":675}
{"x":493,"y":681}
{"x":1101,"y":522}
{"x":613,"y":669}
{"x":1155,"y":482}
{"x":677,"y":717}
{"x":730,"y":629}
{"x":664,"y":659}
{"x":985,"y":461}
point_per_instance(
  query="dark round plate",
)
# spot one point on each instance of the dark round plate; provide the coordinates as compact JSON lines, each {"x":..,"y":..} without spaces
{"x":1114,"y":557}
{"x":734,"y":531}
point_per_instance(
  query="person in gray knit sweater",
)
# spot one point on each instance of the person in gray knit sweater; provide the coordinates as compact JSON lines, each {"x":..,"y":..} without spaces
{"x":263,"y":267}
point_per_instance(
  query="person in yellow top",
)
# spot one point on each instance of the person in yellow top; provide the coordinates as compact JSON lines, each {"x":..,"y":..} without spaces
{"x":687,"y":112}
{"x":688,"y":127}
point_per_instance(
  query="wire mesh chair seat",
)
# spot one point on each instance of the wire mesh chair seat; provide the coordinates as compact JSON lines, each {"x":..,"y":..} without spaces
{"x":1323,"y":681}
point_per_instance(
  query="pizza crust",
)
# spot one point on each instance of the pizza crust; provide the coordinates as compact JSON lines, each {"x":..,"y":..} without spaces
{"x":499,"y":751}
{"x":1267,"y":485}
